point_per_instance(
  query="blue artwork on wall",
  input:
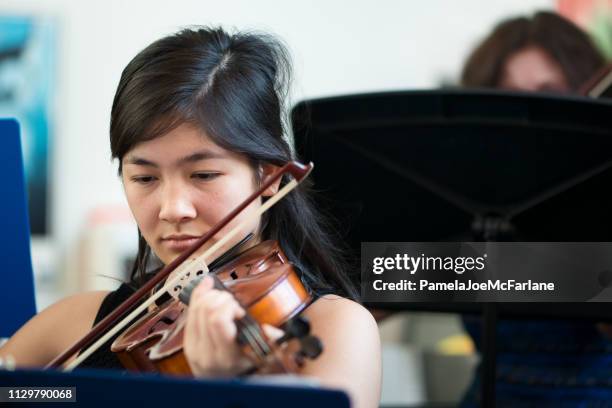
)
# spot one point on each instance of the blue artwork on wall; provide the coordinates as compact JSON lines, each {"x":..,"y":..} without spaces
{"x":27,"y":77}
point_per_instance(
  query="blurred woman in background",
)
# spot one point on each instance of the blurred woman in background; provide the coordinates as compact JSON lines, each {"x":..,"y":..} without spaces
{"x":542,"y":53}
{"x":541,"y":363}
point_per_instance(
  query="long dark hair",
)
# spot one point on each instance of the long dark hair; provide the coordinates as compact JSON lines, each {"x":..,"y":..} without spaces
{"x":567,"y":44}
{"x":233,"y":87}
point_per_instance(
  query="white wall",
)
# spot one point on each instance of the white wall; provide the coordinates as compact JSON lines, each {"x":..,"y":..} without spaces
{"x":338,"y":47}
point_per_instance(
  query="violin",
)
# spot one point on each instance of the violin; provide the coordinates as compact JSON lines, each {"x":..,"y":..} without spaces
{"x":265,"y":283}
{"x":262,"y":279}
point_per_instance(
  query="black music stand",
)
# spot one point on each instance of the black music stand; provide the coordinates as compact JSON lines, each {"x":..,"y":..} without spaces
{"x":464,"y":166}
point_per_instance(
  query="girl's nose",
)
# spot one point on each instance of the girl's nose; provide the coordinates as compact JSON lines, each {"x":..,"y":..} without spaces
{"x":176,"y":205}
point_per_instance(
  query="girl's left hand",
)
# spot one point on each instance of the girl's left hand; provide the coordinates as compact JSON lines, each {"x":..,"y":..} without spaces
{"x":209,"y":341}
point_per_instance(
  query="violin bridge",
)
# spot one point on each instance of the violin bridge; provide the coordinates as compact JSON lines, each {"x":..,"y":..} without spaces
{"x":191,"y":274}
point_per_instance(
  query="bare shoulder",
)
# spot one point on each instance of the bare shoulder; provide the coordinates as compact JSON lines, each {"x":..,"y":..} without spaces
{"x":351,"y":358}
{"x":333,"y":308}
{"x":336,"y":320}
{"x":90,"y":300}
{"x":54,"y":329}
{"x":75,"y":312}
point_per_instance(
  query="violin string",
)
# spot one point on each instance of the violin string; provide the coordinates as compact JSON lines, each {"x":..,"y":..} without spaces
{"x":180,"y":271}
{"x":251,"y":341}
{"x":247,"y":326}
{"x":254,"y":341}
{"x":256,"y":331}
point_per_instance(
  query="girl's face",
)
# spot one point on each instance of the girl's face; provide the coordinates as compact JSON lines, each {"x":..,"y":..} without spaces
{"x":181,"y":184}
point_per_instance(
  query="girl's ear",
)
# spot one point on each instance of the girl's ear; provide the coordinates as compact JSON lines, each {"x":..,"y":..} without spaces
{"x":267,"y":170}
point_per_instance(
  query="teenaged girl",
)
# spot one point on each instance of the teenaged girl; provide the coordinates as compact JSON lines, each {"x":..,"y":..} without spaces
{"x":196,"y":125}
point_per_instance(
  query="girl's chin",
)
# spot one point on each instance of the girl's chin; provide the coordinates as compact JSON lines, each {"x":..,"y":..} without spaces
{"x":167,"y":255}
{"x":168,"y":251}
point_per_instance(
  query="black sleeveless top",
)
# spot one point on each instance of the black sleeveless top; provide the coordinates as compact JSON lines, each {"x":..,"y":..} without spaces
{"x":103,"y":357}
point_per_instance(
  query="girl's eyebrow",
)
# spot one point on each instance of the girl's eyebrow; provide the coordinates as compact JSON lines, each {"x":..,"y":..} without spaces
{"x":194,"y":157}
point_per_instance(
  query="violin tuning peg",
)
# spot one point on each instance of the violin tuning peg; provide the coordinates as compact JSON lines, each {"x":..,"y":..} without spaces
{"x":297,"y":327}
{"x":311,"y":347}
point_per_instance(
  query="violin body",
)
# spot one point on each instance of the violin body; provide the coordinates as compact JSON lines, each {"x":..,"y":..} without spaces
{"x":261,"y":279}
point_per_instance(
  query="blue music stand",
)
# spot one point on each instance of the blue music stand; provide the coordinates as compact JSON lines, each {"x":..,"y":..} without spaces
{"x":106,"y":388}
{"x":17,"y":302}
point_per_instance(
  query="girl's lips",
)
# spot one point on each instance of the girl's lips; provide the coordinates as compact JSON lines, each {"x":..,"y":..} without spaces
{"x":179,"y":244}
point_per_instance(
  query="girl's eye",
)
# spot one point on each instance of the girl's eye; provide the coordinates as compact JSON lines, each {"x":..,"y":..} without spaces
{"x":205,"y":176}
{"x":143,"y":179}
